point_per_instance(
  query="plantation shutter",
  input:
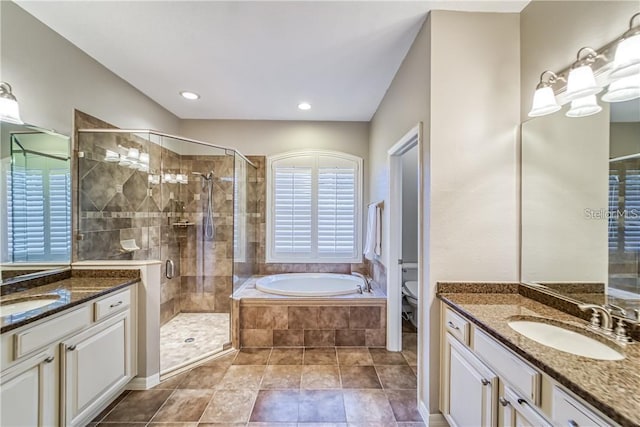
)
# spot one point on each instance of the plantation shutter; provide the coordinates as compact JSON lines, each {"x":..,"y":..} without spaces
{"x":336,"y":208}
{"x":59,"y":213}
{"x":292,"y":207}
{"x":614,"y":195}
{"x":632,"y":210}
{"x":314,"y":200}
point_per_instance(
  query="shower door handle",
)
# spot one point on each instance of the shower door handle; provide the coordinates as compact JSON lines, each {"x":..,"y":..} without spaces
{"x":170,"y":269}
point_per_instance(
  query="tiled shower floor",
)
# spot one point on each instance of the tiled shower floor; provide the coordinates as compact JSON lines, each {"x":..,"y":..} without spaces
{"x":208,"y":330}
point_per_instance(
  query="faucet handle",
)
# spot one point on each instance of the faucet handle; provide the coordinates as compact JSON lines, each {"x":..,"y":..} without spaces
{"x":613,"y":307}
{"x":595,"y":316}
{"x":621,"y":332}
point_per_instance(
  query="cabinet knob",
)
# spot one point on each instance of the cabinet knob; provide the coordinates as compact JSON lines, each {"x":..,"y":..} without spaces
{"x":71,"y":347}
{"x":485,"y":381}
{"x":522,"y":401}
{"x":504,"y":402}
{"x":49,"y":359}
{"x":116,"y":304}
{"x":573,"y":423}
{"x":452,"y":325}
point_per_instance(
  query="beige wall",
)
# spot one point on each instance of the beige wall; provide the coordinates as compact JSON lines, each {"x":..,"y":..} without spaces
{"x":470,"y":157}
{"x":475,"y":84}
{"x":624,"y":139}
{"x":552,"y":32}
{"x":51,"y":77}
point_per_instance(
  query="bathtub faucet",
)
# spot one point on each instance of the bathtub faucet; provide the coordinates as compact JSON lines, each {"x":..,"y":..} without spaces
{"x":367,"y":282}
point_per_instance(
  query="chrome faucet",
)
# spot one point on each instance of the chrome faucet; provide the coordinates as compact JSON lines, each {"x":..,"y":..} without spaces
{"x":367,"y":282}
{"x":598,"y":312}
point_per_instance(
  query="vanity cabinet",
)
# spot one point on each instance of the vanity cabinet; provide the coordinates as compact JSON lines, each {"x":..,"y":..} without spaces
{"x":467,"y":376}
{"x":28,"y":391}
{"x":483,"y":383}
{"x":63,"y":370}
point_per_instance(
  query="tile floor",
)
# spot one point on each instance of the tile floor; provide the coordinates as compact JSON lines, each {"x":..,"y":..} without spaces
{"x":209,"y":331}
{"x":345,"y":386}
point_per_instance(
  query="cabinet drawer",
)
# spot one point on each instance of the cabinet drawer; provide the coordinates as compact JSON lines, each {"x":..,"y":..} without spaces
{"x":112,"y":304}
{"x":512,"y":370}
{"x":567,"y":411}
{"x":457,"y":326}
{"x":51,"y":330}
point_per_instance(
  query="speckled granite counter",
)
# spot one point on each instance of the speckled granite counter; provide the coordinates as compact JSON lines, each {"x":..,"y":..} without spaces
{"x":82,"y":286}
{"x":611,"y":386}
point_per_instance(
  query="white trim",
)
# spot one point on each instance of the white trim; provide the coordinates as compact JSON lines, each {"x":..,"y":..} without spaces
{"x":393,"y":246}
{"x":431,"y":420}
{"x":143,"y":383}
{"x":269,"y":256}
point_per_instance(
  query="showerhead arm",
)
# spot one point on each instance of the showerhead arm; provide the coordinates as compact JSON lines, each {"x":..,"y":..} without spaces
{"x":207,"y":176}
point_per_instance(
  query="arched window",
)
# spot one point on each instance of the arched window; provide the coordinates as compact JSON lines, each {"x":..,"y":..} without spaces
{"x":314,"y":201}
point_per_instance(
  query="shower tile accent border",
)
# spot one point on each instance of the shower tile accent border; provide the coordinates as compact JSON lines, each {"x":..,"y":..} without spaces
{"x":308,"y":323}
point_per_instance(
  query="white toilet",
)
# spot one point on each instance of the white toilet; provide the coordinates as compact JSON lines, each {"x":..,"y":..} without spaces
{"x":410,"y":294}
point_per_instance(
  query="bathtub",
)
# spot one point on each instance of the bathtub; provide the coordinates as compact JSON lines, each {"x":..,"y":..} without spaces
{"x":309,"y":284}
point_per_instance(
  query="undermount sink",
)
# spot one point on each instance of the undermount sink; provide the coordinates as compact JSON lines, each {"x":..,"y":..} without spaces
{"x":20,"y":305}
{"x":565,"y":340}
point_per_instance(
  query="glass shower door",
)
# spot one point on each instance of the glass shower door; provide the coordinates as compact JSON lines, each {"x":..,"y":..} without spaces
{"x":196,"y":189}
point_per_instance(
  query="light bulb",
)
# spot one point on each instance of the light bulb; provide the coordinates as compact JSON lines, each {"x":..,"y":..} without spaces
{"x":544,"y":102}
{"x":581,"y":83}
{"x":583,"y":107}
{"x":624,"y":89}
{"x":627,"y":59}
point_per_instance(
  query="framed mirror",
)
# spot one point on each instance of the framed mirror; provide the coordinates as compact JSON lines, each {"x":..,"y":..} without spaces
{"x":581,"y":204}
{"x":35,"y":213}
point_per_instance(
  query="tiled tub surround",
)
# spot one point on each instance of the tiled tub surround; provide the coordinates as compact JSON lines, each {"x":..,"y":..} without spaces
{"x":267,"y":320}
{"x":81,"y":286}
{"x":610,"y":386}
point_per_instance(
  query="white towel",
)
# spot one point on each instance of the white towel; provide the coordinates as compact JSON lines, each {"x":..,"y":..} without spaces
{"x":372,"y":245}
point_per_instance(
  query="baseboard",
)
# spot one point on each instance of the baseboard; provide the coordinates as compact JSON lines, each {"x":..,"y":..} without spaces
{"x":431,"y":420}
{"x":143,"y":383}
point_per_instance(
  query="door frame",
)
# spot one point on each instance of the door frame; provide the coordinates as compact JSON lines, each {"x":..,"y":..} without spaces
{"x":393,"y":246}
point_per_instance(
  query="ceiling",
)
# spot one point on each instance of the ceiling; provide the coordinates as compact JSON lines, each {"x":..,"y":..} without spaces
{"x":252,"y":60}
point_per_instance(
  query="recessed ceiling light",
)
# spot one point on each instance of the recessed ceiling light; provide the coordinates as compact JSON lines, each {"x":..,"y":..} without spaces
{"x":189,"y":95}
{"x":304,"y":106}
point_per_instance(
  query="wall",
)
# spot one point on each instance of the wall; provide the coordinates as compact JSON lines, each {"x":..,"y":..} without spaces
{"x":410,"y":205}
{"x":258,"y":139}
{"x":624,"y":138}
{"x":50,"y":77}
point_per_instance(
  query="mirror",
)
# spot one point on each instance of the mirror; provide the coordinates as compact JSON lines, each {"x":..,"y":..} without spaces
{"x":581,"y":204}
{"x":35,"y":213}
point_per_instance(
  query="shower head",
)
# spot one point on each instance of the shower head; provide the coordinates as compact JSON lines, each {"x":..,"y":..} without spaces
{"x":208,"y":176}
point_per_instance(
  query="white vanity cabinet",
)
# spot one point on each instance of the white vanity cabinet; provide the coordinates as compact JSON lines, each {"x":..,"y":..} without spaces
{"x":28,"y":391}
{"x":467,"y":376}
{"x":64,"y":369}
{"x":483,"y":383}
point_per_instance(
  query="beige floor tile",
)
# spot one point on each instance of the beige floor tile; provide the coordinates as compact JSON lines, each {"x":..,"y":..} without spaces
{"x":354,"y":356}
{"x":184,"y":405}
{"x":230,"y":406}
{"x":367,"y":406}
{"x":282,"y":377}
{"x":240,"y":377}
{"x":320,"y":377}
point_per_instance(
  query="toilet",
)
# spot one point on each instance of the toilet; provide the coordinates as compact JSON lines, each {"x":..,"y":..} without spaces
{"x":410,"y":301}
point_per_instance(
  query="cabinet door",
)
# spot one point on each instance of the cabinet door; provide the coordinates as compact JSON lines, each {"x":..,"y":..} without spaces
{"x":28,"y":392}
{"x":567,"y":411}
{"x":472,"y":388}
{"x":96,"y":364}
{"x":518,"y":412}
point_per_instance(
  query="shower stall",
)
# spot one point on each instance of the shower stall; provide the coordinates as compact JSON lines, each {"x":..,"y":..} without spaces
{"x":150,"y":196}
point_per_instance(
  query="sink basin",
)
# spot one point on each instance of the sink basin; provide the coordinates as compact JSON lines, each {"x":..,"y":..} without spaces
{"x":20,"y":305}
{"x":565,"y":340}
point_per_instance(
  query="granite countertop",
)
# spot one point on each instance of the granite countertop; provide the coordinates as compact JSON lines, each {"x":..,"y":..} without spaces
{"x":71,"y":291}
{"x":611,"y":386}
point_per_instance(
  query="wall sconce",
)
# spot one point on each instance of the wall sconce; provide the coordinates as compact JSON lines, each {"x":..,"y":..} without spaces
{"x":9,"y":109}
{"x":544,"y":100}
{"x":627,"y":59}
{"x":583,"y":107}
{"x":581,"y":81}
{"x":589,"y":74}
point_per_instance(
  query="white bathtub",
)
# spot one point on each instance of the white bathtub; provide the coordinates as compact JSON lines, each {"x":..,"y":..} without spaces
{"x":309,"y":284}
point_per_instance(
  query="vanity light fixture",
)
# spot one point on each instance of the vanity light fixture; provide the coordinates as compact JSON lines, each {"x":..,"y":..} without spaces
{"x":624,"y":89}
{"x":583,"y":107}
{"x":191,"y":96}
{"x":304,"y":106}
{"x":581,"y":81}
{"x":627,"y":58}
{"x":9,"y":109}
{"x":544,"y":100}
{"x":615,"y":66}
